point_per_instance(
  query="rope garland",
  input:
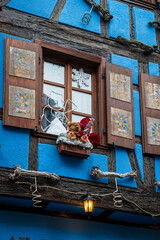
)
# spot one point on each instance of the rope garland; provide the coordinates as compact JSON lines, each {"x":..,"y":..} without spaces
{"x":118,"y":197}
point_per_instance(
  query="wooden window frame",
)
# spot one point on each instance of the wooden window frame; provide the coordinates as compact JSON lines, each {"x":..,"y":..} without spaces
{"x":79,"y":57}
{"x":68,"y":88}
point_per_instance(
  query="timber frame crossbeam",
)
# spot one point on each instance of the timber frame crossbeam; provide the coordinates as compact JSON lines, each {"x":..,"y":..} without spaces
{"x":74,"y":189}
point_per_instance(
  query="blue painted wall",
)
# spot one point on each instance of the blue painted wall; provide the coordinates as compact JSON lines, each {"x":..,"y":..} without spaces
{"x":139,"y":157}
{"x":40,"y":8}
{"x":73,"y":12}
{"x":37,"y":227}
{"x":50,"y":160}
{"x":2,"y":44}
{"x":153,"y":68}
{"x":137,"y":114}
{"x":122,"y":166}
{"x":143,"y":31}
{"x":157,"y":171}
{"x":134,"y":218}
{"x":14,"y":147}
{"x":119,"y":25}
{"x":128,"y":63}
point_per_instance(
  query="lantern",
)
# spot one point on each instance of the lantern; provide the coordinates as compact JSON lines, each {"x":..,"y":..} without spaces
{"x":88,"y":203}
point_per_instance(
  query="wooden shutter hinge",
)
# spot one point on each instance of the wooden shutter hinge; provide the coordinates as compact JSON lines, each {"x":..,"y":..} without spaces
{"x":39,"y":60}
{"x":103,"y":75}
{"x":104,"y":131}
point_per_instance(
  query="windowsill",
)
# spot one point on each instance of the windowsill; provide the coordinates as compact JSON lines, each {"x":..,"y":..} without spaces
{"x":54,"y":137}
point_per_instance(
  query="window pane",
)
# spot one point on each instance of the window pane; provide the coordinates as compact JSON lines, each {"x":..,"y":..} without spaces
{"x":48,"y":118}
{"x":53,"y":94}
{"x":53,"y":72}
{"x":76,"y":118}
{"x":81,"y":79}
{"x":83,"y":102}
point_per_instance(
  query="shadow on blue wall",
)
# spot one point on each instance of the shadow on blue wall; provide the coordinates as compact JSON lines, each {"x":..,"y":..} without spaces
{"x":38,"y":227}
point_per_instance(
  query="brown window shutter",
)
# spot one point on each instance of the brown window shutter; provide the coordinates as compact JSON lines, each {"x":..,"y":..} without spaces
{"x":21,"y":76}
{"x":120,"y":116}
{"x":150,"y":113}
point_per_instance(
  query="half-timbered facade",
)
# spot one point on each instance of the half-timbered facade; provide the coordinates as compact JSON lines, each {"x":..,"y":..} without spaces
{"x":62,"y":61}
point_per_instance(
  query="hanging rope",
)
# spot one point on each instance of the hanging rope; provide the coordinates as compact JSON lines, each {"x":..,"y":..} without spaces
{"x":36,"y":197}
{"x":117,"y":197}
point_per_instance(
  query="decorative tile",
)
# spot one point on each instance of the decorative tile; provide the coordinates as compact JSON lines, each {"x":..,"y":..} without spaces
{"x":21,"y":102}
{"x":152,"y":94}
{"x":153,"y":131}
{"x":121,"y":123}
{"x":22,"y":63}
{"x":120,"y":87}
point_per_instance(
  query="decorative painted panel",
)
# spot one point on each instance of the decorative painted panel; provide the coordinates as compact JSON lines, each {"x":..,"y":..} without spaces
{"x":120,"y":87}
{"x":22,"y":63}
{"x":152,"y":94}
{"x":153,"y":131}
{"x":121,"y":123}
{"x":21,"y":102}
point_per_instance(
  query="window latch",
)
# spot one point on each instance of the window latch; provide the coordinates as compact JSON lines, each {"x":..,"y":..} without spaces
{"x":39,"y":60}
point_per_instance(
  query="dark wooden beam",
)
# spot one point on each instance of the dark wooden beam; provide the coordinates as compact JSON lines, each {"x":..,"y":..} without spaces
{"x":31,"y":27}
{"x":52,"y":191}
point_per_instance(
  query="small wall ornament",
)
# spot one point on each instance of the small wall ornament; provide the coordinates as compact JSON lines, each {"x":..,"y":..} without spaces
{"x":78,"y":141}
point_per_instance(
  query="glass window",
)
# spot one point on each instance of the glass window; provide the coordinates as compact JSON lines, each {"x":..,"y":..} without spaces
{"x":59,"y":86}
{"x":53,"y":72}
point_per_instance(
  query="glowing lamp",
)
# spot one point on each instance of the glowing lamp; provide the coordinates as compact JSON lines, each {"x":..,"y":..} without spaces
{"x":88,"y":203}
